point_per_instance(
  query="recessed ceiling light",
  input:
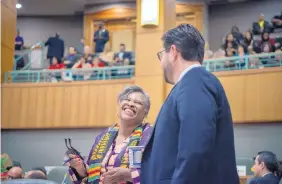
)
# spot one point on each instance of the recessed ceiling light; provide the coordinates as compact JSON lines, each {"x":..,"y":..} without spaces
{"x":18,"y":5}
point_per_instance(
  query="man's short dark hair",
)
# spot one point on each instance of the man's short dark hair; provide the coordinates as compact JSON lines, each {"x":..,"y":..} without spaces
{"x":188,"y":41}
{"x":270,"y":162}
{"x":122,"y":44}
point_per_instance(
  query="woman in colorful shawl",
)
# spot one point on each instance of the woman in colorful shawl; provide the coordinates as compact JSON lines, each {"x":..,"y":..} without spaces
{"x":108,"y":161}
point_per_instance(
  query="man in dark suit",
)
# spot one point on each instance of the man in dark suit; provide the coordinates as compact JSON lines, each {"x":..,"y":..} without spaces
{"x":56,"y":48}
{"x":101,"y":37}
{"x":193,"y":141}
{"x":261,"y":26}
{"x":122,"y":57}
{"x":266,"y":169}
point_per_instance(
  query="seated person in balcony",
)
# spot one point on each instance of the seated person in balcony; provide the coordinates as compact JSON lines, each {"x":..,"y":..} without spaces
{"x":241,"y":53}
{"x":248,"y":39}
{"x":19,"y":41}
{"x":265,"y":39}
{"x":107,"y":56}
{"x":261,"y":26}
{"x":81,"y":63}
{"x":229,"y":63}
{"x":266,"y":169}
{"x":96,"y":63}
{"x":230,"y":44}
{"x":277,"y":21}
{"x":56,"y":65}
{"x":237,"y":35}
{"x":266,"y":48}
{"x":122,"y":57}
{"x":71,"y":58}
{"x":87,"y":54}
{"x":109,"y":163}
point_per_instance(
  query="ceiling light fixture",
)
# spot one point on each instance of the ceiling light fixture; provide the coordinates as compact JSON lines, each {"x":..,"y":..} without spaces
{"x":18,"y":6}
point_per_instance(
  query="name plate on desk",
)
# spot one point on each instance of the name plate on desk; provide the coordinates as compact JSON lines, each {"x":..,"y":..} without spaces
{"x":242,"y":170}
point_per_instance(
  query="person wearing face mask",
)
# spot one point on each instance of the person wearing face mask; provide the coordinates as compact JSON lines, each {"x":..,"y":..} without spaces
{"x":266,"y":169}
{"x":101,"y":37}
{"x":108,"y":160}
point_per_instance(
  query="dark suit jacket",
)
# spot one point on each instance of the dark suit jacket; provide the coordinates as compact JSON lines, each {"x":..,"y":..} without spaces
{"x":56,"y":47}
{"x":193,"y":141}
{"x":267,"y":179}
{"x":100,"y":42}
{"x":266,"y":28}
{"x":126,"y":55}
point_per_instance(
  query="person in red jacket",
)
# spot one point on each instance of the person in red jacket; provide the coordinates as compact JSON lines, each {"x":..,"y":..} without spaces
{"x":56,"y":65}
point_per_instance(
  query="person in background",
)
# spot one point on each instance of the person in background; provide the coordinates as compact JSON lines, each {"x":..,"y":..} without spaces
{"x":122,"y":57}
{"x":40,"y":169}
{"x":56,"y":48}
{"x":241,"y":53}
{"x":56,"y":65}
{"x":266,"y":48}
{"x":230,"y":44}
{"x":266,"y":169}
{"x":248,"y":39}
{"x":277,"y":21}
{"x":238,"y":36}
{"x":19,"y":41}
{"x":81,"y":63}
{"x":266,"y":40}
{"x":101,"y":37}
{"x":96,"y":63}
{"x":71,"y":58}
{"x":253,"y":62}
{"x":107,"y":56}
{"x":80,"y":47}
{"x":35,"y":174}
{"x":15,"y":173}
{"x":261,"y":26}
{"x":110,"y":162}
{"x":88,"y":56}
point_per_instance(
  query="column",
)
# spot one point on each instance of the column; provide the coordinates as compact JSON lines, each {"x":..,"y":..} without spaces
{"x":148,"y":72}
{"x":8,"y":33}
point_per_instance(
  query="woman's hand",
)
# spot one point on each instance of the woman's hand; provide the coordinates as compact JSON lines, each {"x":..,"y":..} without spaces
{"x":116,"y":175}
{"x":77,"y":164}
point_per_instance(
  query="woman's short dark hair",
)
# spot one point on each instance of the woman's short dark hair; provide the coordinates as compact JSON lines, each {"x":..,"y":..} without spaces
{"x":187,"y":40}
{"x":270,"y":162}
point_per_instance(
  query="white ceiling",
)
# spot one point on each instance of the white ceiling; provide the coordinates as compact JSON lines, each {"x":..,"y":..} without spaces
{"x":59,"y":7}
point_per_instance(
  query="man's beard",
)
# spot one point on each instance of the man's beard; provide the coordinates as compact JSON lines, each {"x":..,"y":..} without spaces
{"x":168,"y":74}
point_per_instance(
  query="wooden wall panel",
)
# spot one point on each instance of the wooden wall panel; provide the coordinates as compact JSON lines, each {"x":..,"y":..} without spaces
{"x":254,"y":95}
{"x":8,"y":33}
{"x":61,"y":105}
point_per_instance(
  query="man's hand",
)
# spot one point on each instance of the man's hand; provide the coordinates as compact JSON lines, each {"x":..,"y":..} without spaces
{"x":117,"y":175}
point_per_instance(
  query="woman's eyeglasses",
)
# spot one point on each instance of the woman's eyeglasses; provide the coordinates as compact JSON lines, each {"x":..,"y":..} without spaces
{"x":160,"y":54}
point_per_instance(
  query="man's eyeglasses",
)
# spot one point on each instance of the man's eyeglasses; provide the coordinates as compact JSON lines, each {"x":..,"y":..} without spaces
{"x":160,"y":54}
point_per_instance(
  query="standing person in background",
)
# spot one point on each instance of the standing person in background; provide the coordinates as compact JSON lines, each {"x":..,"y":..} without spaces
{"x":19,"y":41}
{"x":56,"y":48}
{"x":101,"y":37}
{"x":193,"y":139}
{"x":277,"y":21}
{"x":80,"y":47}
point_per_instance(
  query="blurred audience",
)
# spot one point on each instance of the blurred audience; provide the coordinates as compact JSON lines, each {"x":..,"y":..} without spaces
{"x":35,"y":175}
{"x":15,"y":173}
{"x":248,"y":39}
{"x":230,"y":46}
{"x":277,"y":21}
{"x":261,"y":26}
{"x":238,"y":36}
{"x":71,"y":58}
{"x":56,"y":65}
{"x":56,"y":48}
{"x":87,"y":54}
{"x":122,"y":57}
{"x":265,"y":39}
{"x":101,"y":37}
{"x":19,"y":41}
{"x":107,"y":56}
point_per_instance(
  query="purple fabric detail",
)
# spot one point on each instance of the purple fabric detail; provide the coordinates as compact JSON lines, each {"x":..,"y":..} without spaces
{"x":135,"y":179}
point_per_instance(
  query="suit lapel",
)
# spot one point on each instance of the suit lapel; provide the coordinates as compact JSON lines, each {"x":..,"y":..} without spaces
{"x":153,"y":133}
